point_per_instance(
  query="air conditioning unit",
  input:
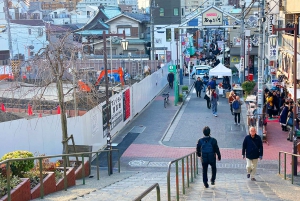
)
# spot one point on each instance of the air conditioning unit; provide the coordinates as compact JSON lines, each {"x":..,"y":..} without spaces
{"x":142,"y":35}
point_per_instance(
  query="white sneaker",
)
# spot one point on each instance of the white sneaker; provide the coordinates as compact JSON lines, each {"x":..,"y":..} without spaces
{"x":216,"y":115}
{"x":234,"y":123}
{"x":238,"y":124}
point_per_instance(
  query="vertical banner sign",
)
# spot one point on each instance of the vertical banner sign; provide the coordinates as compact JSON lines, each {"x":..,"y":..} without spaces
{"x":116,"y":103}
{"x":126,"y":104}
{"x":273,"y":48}
{"x":242,"y":64}
{"x":105,"y":119}
{"x":169,"y":56}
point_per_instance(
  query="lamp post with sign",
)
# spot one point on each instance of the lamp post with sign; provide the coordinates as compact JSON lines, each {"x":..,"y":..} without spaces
{"x":271,"y":52}
{"x":173,"y":69}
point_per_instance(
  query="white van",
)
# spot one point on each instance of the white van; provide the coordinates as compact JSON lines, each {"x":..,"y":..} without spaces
{"x":201,"y":70}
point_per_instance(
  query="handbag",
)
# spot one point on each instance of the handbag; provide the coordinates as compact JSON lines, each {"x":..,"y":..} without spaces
{"x":206,"y":97}
{"x":290,"y":120}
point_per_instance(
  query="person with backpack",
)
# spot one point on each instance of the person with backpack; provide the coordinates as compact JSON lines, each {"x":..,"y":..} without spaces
{"x":207,"y":148}
{"x":236,"y":106}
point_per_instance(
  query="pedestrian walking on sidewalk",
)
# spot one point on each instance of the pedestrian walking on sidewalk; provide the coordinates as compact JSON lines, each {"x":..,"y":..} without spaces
{"x":207,"y":97}
{"x":214,"y":102}
{"x":231,"y":98}
{"x":170,"y":79}
{"x":198,"y":86}
{"x":207,"y":148}
{"x":236,"y":106}
{"x":253,"y":148}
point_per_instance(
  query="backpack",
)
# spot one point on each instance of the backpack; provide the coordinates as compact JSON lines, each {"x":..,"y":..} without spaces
{"x":236,"y":105}
{"x":207,"y":147}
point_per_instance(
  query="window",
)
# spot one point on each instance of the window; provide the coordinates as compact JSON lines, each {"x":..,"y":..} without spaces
{"x":161,"y":12}
{"x":127,"y":31}
{"x":176,"y":11}
{"x":40,"y":32}
{"x":176,"y":32}
{"x":168,"y":35}
{"x":29,"y":31}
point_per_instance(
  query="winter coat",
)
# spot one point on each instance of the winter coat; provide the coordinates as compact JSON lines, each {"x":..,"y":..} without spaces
{"x":170,"y":77}
{"x":284,"y":115}
{"x":208,"y":93}
{"x":212,"y":84}
{"x":208,"y":158}
{"x":198,"y":85}
{"x":237,"y":110}
{"x":253,"y":147}
{"x":270,"y":100}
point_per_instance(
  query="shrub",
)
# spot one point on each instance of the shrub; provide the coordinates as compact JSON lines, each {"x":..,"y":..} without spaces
{"x":248,"y":86}
{"x":14,"y":181}
{"x":185,"y":88}
{"x":19,"y":167}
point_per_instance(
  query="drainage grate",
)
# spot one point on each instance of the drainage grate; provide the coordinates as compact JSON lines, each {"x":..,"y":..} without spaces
{"x":137,"y":129}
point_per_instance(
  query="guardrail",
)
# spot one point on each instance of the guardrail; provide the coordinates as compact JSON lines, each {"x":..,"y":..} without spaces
{"x":292,"y":163}
{"x":64,"y":156}
{"x":146,"y":192}
{"x":191,"y":165}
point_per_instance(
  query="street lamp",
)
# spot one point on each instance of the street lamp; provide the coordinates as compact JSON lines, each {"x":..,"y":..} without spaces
{"x":106,"y":93}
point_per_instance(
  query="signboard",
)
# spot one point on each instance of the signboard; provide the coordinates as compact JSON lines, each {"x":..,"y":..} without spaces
{"x":172,"y":69}
{"x":271,"y":21}
{"x":105,"y":119}
{"x":126,"y":104}
{"x":272,"y":53}
{"x":116,"y":103}
{"x":242,"y":62}
{"x":212,"y":17}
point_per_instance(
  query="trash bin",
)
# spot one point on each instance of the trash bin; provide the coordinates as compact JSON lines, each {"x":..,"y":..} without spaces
{"x":250,"y":77}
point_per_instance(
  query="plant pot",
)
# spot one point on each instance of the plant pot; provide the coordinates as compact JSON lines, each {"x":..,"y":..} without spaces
{"x":49,"y":186}
{"x":21,"y":192}
{"x":78,"y":171}
{"x":70,"y":179}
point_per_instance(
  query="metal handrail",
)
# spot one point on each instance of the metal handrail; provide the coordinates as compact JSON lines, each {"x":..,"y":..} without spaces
{"x":146,"y":192}
{"x":193,"y":162}
{"x":279,"y":169}
{"x":64,"y":156}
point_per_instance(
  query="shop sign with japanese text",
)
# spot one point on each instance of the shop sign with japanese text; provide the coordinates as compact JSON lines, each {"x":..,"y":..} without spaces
{"x":212,"y":17}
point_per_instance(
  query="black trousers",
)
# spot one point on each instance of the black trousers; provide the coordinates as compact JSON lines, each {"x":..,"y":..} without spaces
{"x":171,"y":85}
{"x":198,"y":92}
{"x":213,"y":170}
{"x":231,"y":108}
{"x":208,"y":103}
{"x":237,"y":117}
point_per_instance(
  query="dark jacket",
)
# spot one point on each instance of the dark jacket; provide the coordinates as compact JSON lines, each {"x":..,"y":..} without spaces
{"x":198,"y":85}
{"x":284,"y":115}
{"x":253,"y":147}
{"x":208,"y":158}
{"x":171,"y":77}
{"x":212,"y":84}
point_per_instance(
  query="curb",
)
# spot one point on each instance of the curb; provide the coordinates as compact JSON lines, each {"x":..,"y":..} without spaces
{"x":174,"y":117}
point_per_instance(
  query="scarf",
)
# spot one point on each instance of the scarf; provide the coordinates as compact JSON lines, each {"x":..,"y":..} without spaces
{"x":214,"y":94}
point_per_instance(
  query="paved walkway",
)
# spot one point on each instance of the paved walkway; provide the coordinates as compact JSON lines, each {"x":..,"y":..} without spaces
{"x":172,"y":132}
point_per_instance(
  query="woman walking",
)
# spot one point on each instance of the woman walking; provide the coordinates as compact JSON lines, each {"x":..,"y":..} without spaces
{"x":208,"y":94}
{"x":214,"y":102}
{"x":270,"y":104}
{"x":231,"y":98}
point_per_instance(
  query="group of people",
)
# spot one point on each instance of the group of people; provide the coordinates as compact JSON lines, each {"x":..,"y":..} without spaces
{"x":207,"y":148}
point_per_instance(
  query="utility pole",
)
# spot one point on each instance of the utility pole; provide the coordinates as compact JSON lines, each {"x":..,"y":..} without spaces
{"x":261,"y":53}
{"x":6,"y":10}
{"x":152,"y":6}
{"x":242,"y":51}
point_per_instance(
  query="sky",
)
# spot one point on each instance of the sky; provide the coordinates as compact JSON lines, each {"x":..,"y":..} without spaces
{"x":143,"y":3}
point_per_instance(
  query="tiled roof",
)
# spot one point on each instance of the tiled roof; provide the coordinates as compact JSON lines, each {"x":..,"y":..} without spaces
{"x":91,"y":32}
{"x":138,"y":16}
{"x":111,"y":11}
{"x":29,"y":22}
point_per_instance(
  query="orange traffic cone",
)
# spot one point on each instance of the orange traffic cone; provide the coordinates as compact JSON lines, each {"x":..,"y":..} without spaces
{"x":58,"y":110}
{"x":30,"y":110}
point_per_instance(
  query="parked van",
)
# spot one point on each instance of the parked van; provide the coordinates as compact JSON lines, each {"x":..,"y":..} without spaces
{"x":201,"y":70}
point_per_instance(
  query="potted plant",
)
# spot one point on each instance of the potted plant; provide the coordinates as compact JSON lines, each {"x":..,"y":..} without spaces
{"x":248,"y":86}
{"x":180,"y":97}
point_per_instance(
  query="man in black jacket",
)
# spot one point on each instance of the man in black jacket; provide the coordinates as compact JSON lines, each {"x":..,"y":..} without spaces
{"x":198,"y":86}
{"x":253,"y":147}
{"x":207,"y":148}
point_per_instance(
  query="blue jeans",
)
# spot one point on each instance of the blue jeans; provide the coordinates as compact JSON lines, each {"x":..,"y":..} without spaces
{"x":204,"y":87}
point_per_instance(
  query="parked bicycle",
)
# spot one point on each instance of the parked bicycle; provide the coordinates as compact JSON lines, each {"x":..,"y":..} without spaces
{"x":166,"y":98}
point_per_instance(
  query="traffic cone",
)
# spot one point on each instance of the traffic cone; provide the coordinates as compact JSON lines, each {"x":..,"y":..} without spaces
{"x":30,"y":110}
{"x":58,"y":110}
{"x":3,"y":107}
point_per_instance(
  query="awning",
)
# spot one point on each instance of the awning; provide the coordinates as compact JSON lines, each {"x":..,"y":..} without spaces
{"x":237,"y":51}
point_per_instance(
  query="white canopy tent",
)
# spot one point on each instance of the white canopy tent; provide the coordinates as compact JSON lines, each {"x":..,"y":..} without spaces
{"x":221,"y":70}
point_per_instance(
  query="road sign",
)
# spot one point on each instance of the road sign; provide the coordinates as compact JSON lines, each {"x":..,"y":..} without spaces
{"x":172,"y":68}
